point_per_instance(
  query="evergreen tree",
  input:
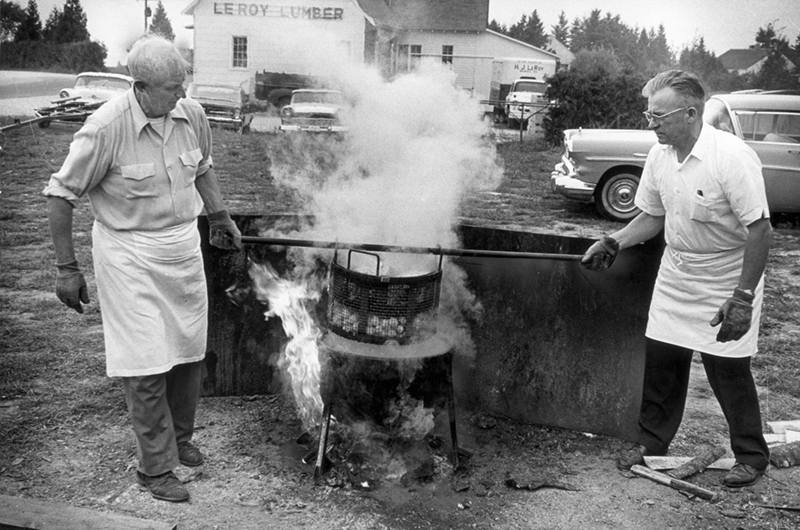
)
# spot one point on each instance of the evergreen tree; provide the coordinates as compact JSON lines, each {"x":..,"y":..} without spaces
{"x":68,"y":25}
{"x":530,"y":30}
{"x":11,"y":18}
{"x":499,"y":28}
{"x":561,"y":30}
{"x":161,"y":24}
{"x":31,"y":27}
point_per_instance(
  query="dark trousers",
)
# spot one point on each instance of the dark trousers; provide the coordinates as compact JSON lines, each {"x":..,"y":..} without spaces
{"x":162,"y":409}
{"x":666,"y":381}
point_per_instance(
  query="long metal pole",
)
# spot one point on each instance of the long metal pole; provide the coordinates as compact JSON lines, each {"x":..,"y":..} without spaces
{"x":407,"y":249}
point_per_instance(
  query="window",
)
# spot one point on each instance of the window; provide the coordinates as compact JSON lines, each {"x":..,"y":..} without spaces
{"x":240,"y":52}
{"x":777,"y":127}
{"x":447,"y":54}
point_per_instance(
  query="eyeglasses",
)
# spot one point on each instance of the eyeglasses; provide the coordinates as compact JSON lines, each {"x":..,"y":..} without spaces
{"x":660,"y":117}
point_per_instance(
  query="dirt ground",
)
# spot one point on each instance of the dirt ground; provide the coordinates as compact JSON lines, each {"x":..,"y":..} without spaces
{"x":65,"y":438}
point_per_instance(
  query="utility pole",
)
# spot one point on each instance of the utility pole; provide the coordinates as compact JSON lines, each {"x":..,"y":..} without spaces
{"x":147,"y":13}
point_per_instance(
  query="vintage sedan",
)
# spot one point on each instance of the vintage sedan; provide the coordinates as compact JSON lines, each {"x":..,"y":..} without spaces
{"x":93,"y":87}
{"x":225,"y":106}
{"x":314,"y":110}
{"x":605,"y":165}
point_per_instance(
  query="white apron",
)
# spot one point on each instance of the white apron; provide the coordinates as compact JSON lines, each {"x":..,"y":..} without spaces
{"x":153,"y":299}
{"x":689,"y":290}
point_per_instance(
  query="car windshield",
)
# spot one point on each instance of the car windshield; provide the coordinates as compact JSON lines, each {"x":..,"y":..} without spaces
{"x":331,"y":98}
{"x":526,"y":86}
{"x":213,"y":92}
{"x":102,"y":82}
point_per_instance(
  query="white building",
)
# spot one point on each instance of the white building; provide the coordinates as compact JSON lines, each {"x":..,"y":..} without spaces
{"x":236,"y":40}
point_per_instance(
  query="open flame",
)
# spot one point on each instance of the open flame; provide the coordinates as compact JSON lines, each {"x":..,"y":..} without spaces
{"x":289,"y":300}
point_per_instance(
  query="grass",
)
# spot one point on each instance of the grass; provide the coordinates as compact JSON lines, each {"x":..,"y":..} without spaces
{"x":54,"y":357}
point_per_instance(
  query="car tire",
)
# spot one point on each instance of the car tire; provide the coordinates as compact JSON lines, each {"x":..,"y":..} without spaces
{"x":63,"y":94}
{"x":614,"y":197}
{"x":44,"y":124}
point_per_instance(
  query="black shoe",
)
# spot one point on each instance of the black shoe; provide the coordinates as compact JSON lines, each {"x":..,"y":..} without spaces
{"x":164,"y":487}
{"x":634,"y":456}
{"x":189,"y":455}
{"x":742,"y":475}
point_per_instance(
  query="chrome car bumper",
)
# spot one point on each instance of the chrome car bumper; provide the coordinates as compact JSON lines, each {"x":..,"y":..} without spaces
{"x":313,"y":128}
{"x":564,"y":181}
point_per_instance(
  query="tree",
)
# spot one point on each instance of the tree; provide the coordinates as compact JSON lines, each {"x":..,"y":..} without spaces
{"x":530,"y":30}
{"x":707,"y":66}
{"x":774,"y":73}
{"x":161,"y":24}
{"x":11,"y":18}
{"x":68,"y":25}
{"x":561,"y":30}
{"x":607,"y":32}
{"x":31,"y":27}
{"x":496,"y":26}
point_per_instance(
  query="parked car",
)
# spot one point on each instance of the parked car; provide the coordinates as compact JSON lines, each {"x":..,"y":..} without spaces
{"x":91,"y":87}
{"x":605,"y":166}
{"x":226,"y":106}
{"x":314,"y":110}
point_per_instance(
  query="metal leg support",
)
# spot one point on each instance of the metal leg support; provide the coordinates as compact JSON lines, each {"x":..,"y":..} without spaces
{"x":319,"y":468}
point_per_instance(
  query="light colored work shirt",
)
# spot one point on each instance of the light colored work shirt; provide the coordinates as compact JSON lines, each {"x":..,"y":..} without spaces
{"x":135,"y":177}
{"x":708,"y":200}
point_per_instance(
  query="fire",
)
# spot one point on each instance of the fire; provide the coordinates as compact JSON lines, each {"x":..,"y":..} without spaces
{"x":289,"y":300}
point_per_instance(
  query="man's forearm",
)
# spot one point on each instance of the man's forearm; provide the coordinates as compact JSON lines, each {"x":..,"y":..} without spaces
{"x":756,"y":252}
{"x":207,"y":186}
{"x":59,"y":215}
{"x":642,"y":228}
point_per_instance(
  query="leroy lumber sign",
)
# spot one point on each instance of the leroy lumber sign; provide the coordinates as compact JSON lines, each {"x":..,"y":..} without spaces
{"x":266,"y":10}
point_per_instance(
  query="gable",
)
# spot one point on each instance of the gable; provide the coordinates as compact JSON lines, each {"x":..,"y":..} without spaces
{"x":742,"y":59}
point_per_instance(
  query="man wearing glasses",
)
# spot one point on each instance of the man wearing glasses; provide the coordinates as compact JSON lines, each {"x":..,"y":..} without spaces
{"x":705,"y":189}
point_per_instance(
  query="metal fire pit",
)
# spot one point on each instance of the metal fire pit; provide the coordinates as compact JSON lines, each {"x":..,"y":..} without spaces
{"x":359,"y":381}
{"x":382,"y":309}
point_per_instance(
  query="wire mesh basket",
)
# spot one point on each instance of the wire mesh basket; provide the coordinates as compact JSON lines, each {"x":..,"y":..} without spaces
{"x":379,"y":309}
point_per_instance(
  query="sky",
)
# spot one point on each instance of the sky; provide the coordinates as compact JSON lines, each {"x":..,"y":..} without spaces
{"x":724,"y":24}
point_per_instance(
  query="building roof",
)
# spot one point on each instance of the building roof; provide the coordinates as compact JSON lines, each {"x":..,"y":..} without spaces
{"x":441,"y":15}
{"x":742,"y":59}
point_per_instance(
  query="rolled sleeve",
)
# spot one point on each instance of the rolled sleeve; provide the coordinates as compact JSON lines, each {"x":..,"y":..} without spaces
{"x":745,"y":191}
{"x":648,"y":196}
{"x":84,"y":167}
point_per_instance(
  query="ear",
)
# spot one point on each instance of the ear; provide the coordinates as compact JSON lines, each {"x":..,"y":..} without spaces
{"x":139,"y":85}
{"x":691,"y":114}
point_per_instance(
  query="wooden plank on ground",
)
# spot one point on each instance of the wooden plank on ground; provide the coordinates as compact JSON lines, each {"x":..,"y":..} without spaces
{"x":23,"y":513}
{"x":660,"y":463}
{"x":781,"y":426}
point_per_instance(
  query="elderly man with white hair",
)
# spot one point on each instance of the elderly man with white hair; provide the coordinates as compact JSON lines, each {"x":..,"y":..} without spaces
{"x":144,"y":161}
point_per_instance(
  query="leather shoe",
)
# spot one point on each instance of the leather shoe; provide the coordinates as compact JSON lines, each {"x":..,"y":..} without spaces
{"x":634,"y":455}
{"x":189,"y":455}
{"x":742,"y":475}
{"x":164,"y":487}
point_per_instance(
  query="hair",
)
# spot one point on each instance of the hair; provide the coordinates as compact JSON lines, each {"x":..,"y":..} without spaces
{"x":685,"y":84}
{"x":154,"y":60}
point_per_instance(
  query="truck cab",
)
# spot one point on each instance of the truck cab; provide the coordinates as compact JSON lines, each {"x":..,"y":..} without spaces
{"x":525,"y":99}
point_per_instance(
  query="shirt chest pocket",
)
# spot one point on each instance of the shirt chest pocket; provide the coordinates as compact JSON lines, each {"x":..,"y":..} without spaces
{"x":139,"y":181}
{"x":190,"y":161}
{"x":706,"y":210}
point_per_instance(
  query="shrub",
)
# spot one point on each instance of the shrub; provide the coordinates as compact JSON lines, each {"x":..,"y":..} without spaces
{"x":71,"y":57}
{"x":594,"y":98}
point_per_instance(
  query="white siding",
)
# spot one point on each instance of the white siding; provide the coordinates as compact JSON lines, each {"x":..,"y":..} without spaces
{"x":464,"y":50}
{"x":282,"y":37}
{"x":494,"y":47}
